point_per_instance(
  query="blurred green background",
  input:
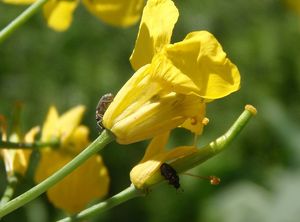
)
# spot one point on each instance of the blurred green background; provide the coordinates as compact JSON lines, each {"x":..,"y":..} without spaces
{"x":260,"y":171}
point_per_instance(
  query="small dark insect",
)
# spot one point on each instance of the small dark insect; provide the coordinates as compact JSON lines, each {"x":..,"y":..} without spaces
{"x":170,"y":174}
{"x":102,"y":106}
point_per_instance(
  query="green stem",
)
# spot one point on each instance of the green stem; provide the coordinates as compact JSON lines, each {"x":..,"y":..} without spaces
{"x":34,"y":145}
{"x":10,"y":189}
{"x":22,"y":18}
{"x":216,"y":146}
{"x":182,"y":164}
{"x":99,"y":143}
{"x":125,"y":195}
{"x":208,"y":151}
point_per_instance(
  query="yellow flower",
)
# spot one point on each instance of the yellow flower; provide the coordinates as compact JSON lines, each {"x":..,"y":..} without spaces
{"x":86,"y":183}
{"x":59,"y":13}
{"x":147,"y":172}
{"x":293,"y":5}
{"x":16,"y":160}
{"x":172,"y":82}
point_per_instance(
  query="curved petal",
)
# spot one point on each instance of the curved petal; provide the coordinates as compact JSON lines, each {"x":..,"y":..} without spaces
{"x":116,"y":12}
{"x":88,"y":182}
{"x":61,"y":127}
{"x":126,"y":95}
{"x":159,"y":114}
{"x":59,"y":13}
{"x":81,"y":136}
{"x":198,"y":64}
{"x":49,"y":130}
{"x":158,"y":20}
{"x":156,"y":146}
{"x":68,"y":122}
{"x":142,"y":175}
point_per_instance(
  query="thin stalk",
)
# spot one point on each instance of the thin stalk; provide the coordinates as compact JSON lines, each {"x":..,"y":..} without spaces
{"x":98,"y":144}
{"x":22,"y":18}
{"x":125,"y":195}
{"x":34,"y":145}
{"x":216,"y":146}
{"x":209,"y":150}
{"x":9,"y":190}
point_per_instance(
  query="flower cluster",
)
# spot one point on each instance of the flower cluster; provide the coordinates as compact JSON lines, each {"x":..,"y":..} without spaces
{"x":172,"y":85}
{"x":88,"y":182}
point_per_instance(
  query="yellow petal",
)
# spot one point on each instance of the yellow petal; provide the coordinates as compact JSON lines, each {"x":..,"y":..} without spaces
{"x":156,"y":146}
{"x":158,"y":114}
{"x":195,"y":123}
{"x":49,"y":130}
{"x":293,"y":5}
{"x":142,"y":175}
{"x":197,"y":64}
{"x":19,"y":2}
{"x":88,"y":182}
{"x":127,"y":93}
{"x":59,"y":13}
{"x":144,"y":108}
{"x":116,"y":12}
{"x":78,"y":141}
{"x":17,"y":160}
{"x":32,"y":133}
{"x":68,"y":122}
{"x":158,"y":20}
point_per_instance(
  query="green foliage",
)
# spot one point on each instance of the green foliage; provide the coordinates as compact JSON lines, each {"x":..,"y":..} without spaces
{"x":40,"y":67}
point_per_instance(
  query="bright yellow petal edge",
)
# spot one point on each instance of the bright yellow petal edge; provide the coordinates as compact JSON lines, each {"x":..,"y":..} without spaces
{"x":59,"y":13}
{"x":155,"y":31}
{"x":197,"y":64}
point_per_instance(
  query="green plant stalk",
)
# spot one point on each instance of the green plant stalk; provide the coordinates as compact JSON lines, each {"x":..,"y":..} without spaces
{"x":125,"y":195}
{"x":9,"y":191}
{"x":34,"y":145}
{"x":213,"y":148}
{"x":99,"y":143}
{"x":210,"y":150}
{"x":22,"y":18}
{"x":182,"y":164}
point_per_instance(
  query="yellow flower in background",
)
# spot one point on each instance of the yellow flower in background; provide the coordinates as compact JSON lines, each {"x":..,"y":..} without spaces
{"x":293,"y":5}
{"x":172,"y":82}
{"x":16,"y":160}
{"x":142,"y":175}
{"x":88,"y":182}
{"x":59,"y":13}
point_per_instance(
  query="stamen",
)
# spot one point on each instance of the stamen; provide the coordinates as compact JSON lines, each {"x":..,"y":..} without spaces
{"x":212,"y":179}
{"x":205,"y":121}
{"x":194,"y":120}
